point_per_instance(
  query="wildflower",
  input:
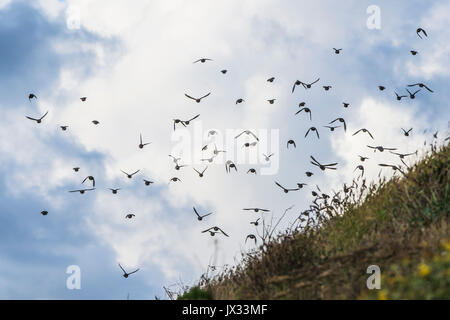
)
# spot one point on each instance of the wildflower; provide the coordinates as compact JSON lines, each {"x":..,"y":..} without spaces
{"x":424,"y":270}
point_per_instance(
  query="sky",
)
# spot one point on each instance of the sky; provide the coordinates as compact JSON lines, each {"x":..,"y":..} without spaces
{"x":134,"y":63}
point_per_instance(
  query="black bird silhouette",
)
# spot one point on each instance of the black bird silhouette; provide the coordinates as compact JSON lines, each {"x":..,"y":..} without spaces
{"x":95,"y":122}
{"x":76,"y":169}
{"x":308,"y":85}
{"x":306,"y":110}
{"x":403,"y":155}
{"x":202,"y":60}
{"x":248,"y":144}
{"x":130,"y":175}
{"x":39,"y":120}
{"x":142,"y":145}
{"x":406,"y":132}
{"x":381,"y":148}
{"x":130,"y":216}
{"x":31,"y":96}
{"x":340,"y":120}
{"x":200,"y":174}
{"x":271,"y":101}
{"x":256,"y":210}
{"x":412,"y":95}
{"x":331,"y":127}
{"x":83,"y":99}
{"x":399,"y":97}
{"x":421,"y":85}
{"x":147,"y":182}
{"x":346,"y":104}
{"x":327,"y":87}
{"x":251,"y":170}
{"x":82,"y":191}
{"x":301,"y":185}
{"x":419,"y":30}
{"x":44,"y":212}
{"x":363,"y":158}
{"x":309,"y":173}
{"x":296,"y":83}
{"x":337,"y":51}
{"x":213,"y":230}
{"x":365,"y":131}
{"x":174,"y":179}
{"x":176,"y":121}
{"x":291,"y":142}
{"x":90,"y":178}
{"x":223,"y":71}
{"x":197,"y":99}
{"x":199,"y":217}
{"x":126,"y":274}
{"x":285,"y":189}
{"x":114,"y":191}
{"x":240,"y":100}
{"x":313,"y":129}
{"x":323,"y":166}
{"x":413,"y":52}
{"x":256,"y":222}
{"x":250,"y":236}
{"x":361,"y":168}
{"x":230,"y":164}
{"x":271,"y":79}
{"x":63,"y":128}
{"x":186,"y":122}
{"x":381,"y":88}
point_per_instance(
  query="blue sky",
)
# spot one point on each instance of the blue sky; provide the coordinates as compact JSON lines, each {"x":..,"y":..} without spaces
{"x":134,"y":63}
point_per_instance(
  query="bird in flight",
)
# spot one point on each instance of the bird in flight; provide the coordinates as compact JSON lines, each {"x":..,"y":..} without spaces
{"x":224,"y":71}
{"x":130,"y":216}
{"x":337,"y":51}
{"x":271,"y":101}
{"x":252,"y":170}
{"x":413,"y":52}
{"x":248,"y":144}
{"x":296,"y":83}
{"x":130,"y":175}
{"x":271,"y":79}
{"x":399,"y":97}
{"x":96,"y":122}
{"x":63,"y":128}
{"x":200,"y":217}
{"x":313,"y":129}
{"x":332,"y":127}
{"x":406,"y":132}
{"x":76,"y":169}
{"x":323,"y":166}
{"x":381,"y":88}
{"x":114,"y":191}
{"x":381,"y":148}
{"x":256,"y":210}
{"x":39,"y":120}
{"x":213,"y":230}
{"x":267,"y":157}
{"x":421,"y":85}
{"x":306,"y":110}
{"x":126,"y":274}
{"x":174,"y":179}
{"x":83,"y":99}
{"x":176,"y":121}
{"x":286,"y":190}
{"x":412,"y":95}
{"x":256,"y":222}
{"x":44,"y":212}
{"x":230,"y":164}
{"x":82,"y":191}
{"x":186,"y":122}
{"x":200,"y":173}
{"x":31,"y":96}
{"x":403,"y":155}
{"x":147,"y":182}
{"x":90,"y":178}
{"x":291,"y":142}
{"x":197,"y":99}
{"x":142,"y":145}
{"x":202,"y":60}
{"x":327,"y":87}
{"x":360,"y":168}
{"x":365,"y":131}
{"x":247,"y":132}
{"x":308,"y":85}
{"x":346,"y":104}
{"x":363,"y":158}
{"x":250,"y":236}
{"x":419,"y":30}
{"x":340,"y":120}
{"x":240,"y":100}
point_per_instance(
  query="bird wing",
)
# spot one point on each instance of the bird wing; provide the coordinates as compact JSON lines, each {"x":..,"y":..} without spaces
{"x":307,"y":132}
{"x":189,"y":97}
{"x":135,"y":172}
{"x":44,"y":115}
{"x":195,"y":210}
{"x":369,"y":133}
{"x":356,"y":132}
{"x":207,"y":214}
{"x":31,"y":118}
{"x":205,"y":95}
{"x":122,"y":268}
{"x":280,"y":185}
{"x":194,"y":117}
{"x":314,"y":81}
{"x":125,"y":172}
{"x":134,"y":271}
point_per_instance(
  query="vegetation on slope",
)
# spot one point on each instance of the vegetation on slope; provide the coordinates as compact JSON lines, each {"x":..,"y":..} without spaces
{"x":401,"y":225}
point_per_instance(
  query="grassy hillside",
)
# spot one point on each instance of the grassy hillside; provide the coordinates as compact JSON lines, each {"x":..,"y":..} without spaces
{"x":401,"y":225}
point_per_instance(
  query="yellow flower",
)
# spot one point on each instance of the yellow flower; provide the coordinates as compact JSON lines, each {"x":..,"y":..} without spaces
{"x":382,"y":295}
{"x":424,"y":270}
{"x":447,"y":245}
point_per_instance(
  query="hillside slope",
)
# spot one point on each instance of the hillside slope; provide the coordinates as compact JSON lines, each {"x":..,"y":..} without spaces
{"x":401,"y":225}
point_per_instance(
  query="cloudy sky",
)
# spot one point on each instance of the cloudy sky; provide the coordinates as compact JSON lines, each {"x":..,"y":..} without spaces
{"x":134,"y":64}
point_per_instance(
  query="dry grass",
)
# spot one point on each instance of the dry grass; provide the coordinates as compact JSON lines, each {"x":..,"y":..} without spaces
{"x":326,"y":252}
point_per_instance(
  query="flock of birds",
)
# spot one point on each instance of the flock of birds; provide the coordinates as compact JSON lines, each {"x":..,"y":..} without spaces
{"x":230,"y":165}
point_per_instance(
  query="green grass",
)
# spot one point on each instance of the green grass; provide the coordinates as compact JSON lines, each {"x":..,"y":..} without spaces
{"x":401,"y":225}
